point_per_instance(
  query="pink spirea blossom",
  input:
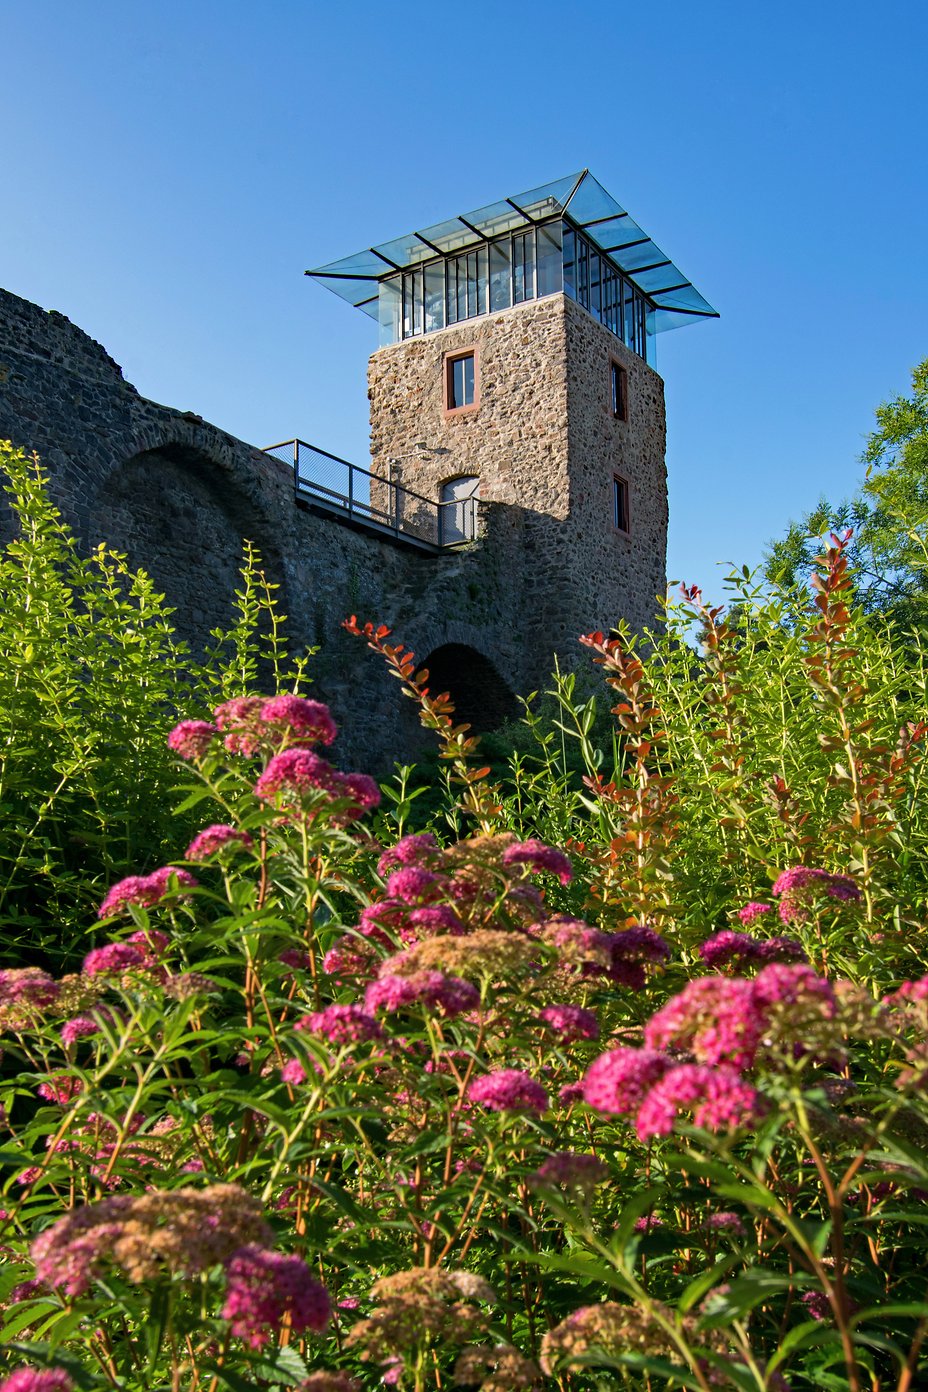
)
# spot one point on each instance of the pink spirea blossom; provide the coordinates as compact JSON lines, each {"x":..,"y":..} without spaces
{"x":570,"y":1022}
{"x":413,"y":885}
{"x":570,"y":1093}
{"x":263,"y":1286}
{"x":238,"y":720}
{"x":349,"y":957}
{"x":295,"y":771}
{"x":81,"y":1027}
{"x":752,"y":910}
{"x":362,"y":790}
{"x":638,"y":944}
{"x":27,"y":986}
{"x":144,"y":890}
{"x":909,"y":991}
{"x":215,"y":838}
{"x":191,"y":739}
{"x":729,"y":946}
{"x":341,"y":1024}
{"x":648,"y":1222}
{"x":617,"y":1082}
{"x":790,"y":984}
{"x":37,"y":1380}
{"x":718,"y":1097}
{"x":113,"y":957}
{"x":417,"y":849}
{"x":436,"y":918}
{"x":817,"y":1305}
{"x":297,"y":958}
{"x":782,"y":950}
{"x":304,"y":720}
{"x":715,"y":1017}
{"x":725,"y":1222}
{"x":151,"y":942}
{"x":802,"y":877}
{"x":293,"y":1073}
{"x":539,"y":857}
{"x":60,"y":1088}
{"x":796,"y":889}
{"x":570,"y":1168}
{"x":508,"y":1090}
{"x":429,"y":988}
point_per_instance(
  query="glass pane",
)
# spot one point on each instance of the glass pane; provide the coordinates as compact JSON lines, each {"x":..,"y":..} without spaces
{"x":435,"y":296}
{"x":523,"y":267}
{"x":628,"y":333}
{"x":550,"y":272}
{"x":595,"y":300}
{"x":500,"y":275}
{"x":570,"y":267}
{"x":461,"y":382}
{"x":472,"y":307}
{"x":482,"y":279}
{"x":460,"y":265}
{"x":468,"y":380}
{"x":583,"y":271}
{"x":390,"y":310}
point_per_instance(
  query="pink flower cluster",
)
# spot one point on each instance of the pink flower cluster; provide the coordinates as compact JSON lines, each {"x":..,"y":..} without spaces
{"x":431,"y":989}
{"x":250,"y":723}
{"x":24,"y":986}
{"x":341,"y":1024}
{"x":798,"y":888}
{"x":37,"y":1380}
{"x":508,"y":1090}
{"x":213,"y":839}
{"x":263,"y":1286}
{"x":145,"y":891}
{"x":568,"y":1168}
{"x":649,"y":1086}
{"x":727,"y":946}
{"x":297,"y":773}
{"x":191,"y":739}
{"x":421,"y":848}
{"x":539,"y":857}
{"x":570,"y":1022}
{"x":722,"y":1020}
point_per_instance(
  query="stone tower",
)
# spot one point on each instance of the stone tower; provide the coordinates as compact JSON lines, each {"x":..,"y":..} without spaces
{"x":516,"y":368}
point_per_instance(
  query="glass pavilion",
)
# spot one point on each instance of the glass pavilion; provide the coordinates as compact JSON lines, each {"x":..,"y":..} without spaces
{"x":569,"y":236}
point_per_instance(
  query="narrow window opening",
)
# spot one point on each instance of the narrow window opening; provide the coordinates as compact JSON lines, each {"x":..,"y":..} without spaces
{"x":620,"y":519}
{"x":460,"y":381}
{"x":619,"y":392}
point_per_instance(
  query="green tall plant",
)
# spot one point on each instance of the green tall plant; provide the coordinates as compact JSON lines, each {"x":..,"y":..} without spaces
{"x":92,"y":676}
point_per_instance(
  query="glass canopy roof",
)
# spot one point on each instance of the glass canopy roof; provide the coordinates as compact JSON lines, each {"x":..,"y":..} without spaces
{"x":585,"y":203}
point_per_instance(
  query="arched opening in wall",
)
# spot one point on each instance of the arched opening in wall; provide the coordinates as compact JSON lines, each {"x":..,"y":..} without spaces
{"x":181,"y":518}
{"x":458,"y":508}
{"x":480,"y":696}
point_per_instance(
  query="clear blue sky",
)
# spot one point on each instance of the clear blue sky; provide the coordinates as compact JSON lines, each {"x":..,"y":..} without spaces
{"x":170,"y":168}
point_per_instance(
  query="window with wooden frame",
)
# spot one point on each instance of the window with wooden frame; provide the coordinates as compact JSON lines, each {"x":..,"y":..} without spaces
{"x":461,"y":381}
{"x":619,"y":390}
{"x":621,"y":521}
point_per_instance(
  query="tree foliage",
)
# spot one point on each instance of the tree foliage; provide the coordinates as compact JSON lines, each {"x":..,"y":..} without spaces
{"x":888,"y":514}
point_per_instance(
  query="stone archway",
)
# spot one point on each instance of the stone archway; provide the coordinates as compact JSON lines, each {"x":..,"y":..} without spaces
{"x":181,"y":518}
{"x":480,"y":695}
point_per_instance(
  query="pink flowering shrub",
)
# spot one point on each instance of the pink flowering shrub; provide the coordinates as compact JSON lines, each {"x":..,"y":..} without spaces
{"x":503,"y":1103}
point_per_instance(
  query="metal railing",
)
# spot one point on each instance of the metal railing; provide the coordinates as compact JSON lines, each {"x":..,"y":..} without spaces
{"x":378,"y":503}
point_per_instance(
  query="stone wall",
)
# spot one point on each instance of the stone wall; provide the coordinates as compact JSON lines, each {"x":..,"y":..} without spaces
{"x":179,"y":495}
{"x":543,"y":440}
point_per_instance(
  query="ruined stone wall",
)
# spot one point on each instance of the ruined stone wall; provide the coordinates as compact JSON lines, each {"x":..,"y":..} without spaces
{"x":179,"y":495}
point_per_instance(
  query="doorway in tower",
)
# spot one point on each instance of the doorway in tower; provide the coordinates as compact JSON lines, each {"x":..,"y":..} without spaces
{"x":481,"y":697}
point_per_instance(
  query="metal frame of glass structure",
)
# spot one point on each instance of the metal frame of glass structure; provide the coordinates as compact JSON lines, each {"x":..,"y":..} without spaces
{"x":569,"y":235}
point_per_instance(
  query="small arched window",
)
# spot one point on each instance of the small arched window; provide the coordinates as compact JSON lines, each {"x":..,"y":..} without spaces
{"x":458,"y":509}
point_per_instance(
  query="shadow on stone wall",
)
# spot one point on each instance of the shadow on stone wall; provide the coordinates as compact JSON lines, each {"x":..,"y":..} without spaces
{"x":481,"y":697}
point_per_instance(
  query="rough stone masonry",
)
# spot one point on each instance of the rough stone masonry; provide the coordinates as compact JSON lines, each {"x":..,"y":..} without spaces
{"x":178,"y":496}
